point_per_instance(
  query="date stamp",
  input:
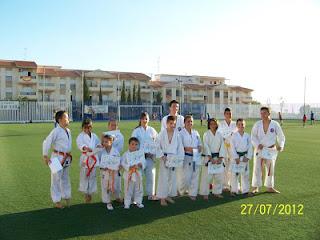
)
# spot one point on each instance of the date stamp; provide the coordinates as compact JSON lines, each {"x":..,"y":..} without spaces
{"x":268,"y":209}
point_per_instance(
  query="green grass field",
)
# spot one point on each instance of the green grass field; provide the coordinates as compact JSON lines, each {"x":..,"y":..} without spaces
{"x":26,"y":210}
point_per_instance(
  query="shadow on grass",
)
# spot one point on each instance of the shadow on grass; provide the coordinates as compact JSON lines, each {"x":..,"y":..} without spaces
{"x":93,"y":219}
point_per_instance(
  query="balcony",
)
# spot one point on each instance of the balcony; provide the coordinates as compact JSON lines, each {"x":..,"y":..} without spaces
{"x":27,"y":80}
{"x":197,"y":98}
{"x":31,"y":95}
{"x":145,"y":89}
{"x":47,"y":87}
{"x":107,"y":88}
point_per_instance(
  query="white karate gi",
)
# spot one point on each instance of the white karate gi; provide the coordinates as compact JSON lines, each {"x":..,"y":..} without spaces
{"x":258,"y":136}
{"x":61,"y":141}
{"x":212,"y":143}
{"x":167,"y":185}
{"x":109,"y":177}
{"x":133,"y":180}
{"x":118,"y":143}
{"x":240,"y":144}
{"x":188,"y":174}
{"x":179,"y":122}
{"x":88,"y":181}
{"x":148,"y":136}
{"x":226,"y":132}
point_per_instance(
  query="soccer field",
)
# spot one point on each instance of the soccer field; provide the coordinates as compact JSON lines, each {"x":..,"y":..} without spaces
{"x":26,"y":210}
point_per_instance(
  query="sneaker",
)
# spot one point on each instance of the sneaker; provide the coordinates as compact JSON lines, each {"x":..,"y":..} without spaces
{"x":126,"y":206}
{"x":140,"y":205}
{"x":109,"y":207}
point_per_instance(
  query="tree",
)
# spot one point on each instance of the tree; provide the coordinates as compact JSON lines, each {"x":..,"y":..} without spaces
{"x":305,"y":110}
{"x":255,"y":102}
{"x":123,"y":94}
{"x":129,"y":99}
{"x":134,"y":99}
{"x":139,"y":95}
{"x":86,"y":95}
{"x":158,"y":99}
{"x":100,"y":96}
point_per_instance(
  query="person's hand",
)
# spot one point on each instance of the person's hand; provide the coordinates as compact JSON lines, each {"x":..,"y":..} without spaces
{"x":99,"y":146}
{"x":219,"y":160}
{"x":237,"y":160}
{"x":200,"y":149}
{"x":260,"y":146}
{"x":46,"y":160}
{"x":214,"y":161}
{"x":280,"y":149}
{"x":87,"y":149}
{"x":140,"y":165}
{"x":163,"y":158}
{"x":188,"y":149}
{"x":245,"y":159}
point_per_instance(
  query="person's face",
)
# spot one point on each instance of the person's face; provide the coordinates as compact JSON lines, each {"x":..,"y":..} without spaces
{"x":213,"y":126}
{"x":87,"y":128}
{"x":106,"y":143}
{"x":189,"y":123}
{"x":133,"y":146}
{"x":144,"y":121}
{"x":264,"y":114}
{"x":112,"y":126}
{"x":171,"y":125}
{"x":64,"y":120}
{"x":228,"y":115}
{"x":241,"y":126}
{"x":174,"y":108}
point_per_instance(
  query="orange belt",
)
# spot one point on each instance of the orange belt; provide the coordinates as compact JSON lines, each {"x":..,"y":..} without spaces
{"x":90,"y":167}
{"x":65,"y":156}
{"x":131,"y":171}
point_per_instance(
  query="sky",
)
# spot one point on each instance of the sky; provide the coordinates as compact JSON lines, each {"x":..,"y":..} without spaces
{"x":269,"y":46}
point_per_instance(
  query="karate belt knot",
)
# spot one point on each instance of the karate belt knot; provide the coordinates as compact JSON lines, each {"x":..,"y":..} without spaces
{"x":64,"y":155}
{"x":133,"y":170}
{"x":110,"y":186}
{"x":213,"y":155}
{"x":87,"y":162}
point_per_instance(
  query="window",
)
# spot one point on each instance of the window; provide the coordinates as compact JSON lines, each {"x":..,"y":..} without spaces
{"x":217,"y":94}
{"x":8,"y":95}
{"x":226,"y":95}
{"x":62,"y":88}
{"x":8,"y":81}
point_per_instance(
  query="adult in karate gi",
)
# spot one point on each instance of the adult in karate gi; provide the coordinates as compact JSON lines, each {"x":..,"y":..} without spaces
{"x":118,"y":142}
{"x":147,"y":137}
{"x":171,"y":153}
{"x":214,"y":151}
{"x":188,"y":174}
{"x":60,"y":141}
{"x":268,"y":139}
{"x":88,"y":142}
{"x":227,"y":127}
{"x":241,"y":154}
{"x":174,"y":109}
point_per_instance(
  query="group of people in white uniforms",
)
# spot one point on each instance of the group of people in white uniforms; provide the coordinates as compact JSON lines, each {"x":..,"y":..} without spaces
{"x":219,"y":161}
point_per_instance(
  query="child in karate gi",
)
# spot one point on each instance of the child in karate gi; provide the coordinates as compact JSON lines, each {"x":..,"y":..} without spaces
{"x":60,"y":141}
{"x":147,"y":136}
{"x":171,"y":153}
{"x":188,"y":174}
{"x":88,"y":142}
{"x":109,"y":162}
{"x":133,"y":163}
{"x":214,"y":150}
{"x":241,"y":148}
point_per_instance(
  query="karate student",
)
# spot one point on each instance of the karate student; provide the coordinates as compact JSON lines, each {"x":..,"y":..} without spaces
{"x":109,"y":155}
{"x":267,"y":138}
{"x":226,"y":128}
{"x":214,"y":151}
{"x":241,"y":154}
{"x":60,"y":141}
{"x":88,"y":142}
{"x":188,"y":174}
{"x":170,"y":147}
{"x":173,"y":111}
{"x":133,"y":166}
{"x":118,"y":142}
{"x":147,"y":136}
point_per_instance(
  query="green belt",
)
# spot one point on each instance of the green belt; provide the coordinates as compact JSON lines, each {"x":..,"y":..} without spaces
{"x":241,"y":154}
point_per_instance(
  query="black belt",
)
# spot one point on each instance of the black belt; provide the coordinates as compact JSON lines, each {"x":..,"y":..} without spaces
{"x":213,"y":155}
{"x":241,"y":154}
{"x":188,"y":154}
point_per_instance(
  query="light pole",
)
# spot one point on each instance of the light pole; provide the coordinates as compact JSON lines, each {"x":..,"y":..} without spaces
{"x":118,"y":101}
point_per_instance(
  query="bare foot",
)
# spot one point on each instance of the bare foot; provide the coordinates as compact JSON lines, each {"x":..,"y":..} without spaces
{"x":119,"y":200}
{"x":218,"y":195}
{"x":233,"y":194}
{"x":226,"y":190}
{"x":193,"y":198}
{"x":205,"y":197}
{"x":163,"y":202}
{"x":58,"y":205}
{"x":272,"y":190}
{"x":255,"y":190}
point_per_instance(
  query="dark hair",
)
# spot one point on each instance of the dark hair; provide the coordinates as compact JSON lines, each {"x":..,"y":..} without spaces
{"x":171,"y":118}
{"x":111,"y":120}
{"x":133,"y":139}
{"x":142,"y":115}
{"x":59,"y":115}
{"x":227,"y":110}
{"x":212,"y":120}
{"x":172,"y":102}
{"x":109,"y":137}
{"x":187,"y":117}
{"x":86,"y":121}
{"x":240,"y":120}
{"x":265,"y":108}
